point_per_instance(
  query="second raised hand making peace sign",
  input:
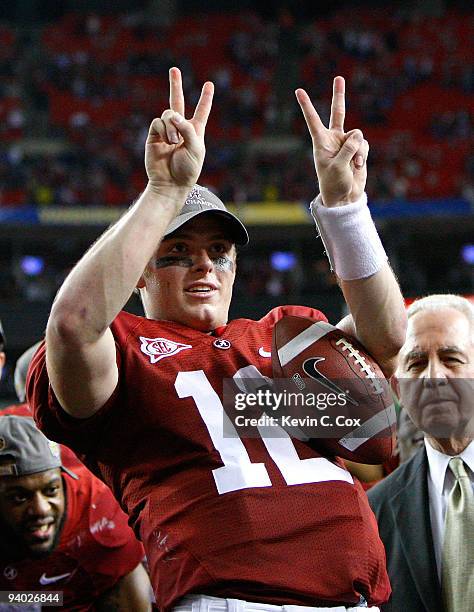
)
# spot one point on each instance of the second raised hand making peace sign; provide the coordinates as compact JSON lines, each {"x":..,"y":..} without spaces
{"x":175,"y":149}
{"x":340,"y":157}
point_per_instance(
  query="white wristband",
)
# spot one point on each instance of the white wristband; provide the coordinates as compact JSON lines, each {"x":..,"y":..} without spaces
{"x":350,"y":238}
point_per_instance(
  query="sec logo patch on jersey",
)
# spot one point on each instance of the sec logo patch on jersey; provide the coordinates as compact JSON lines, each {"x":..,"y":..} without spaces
{"x":159,"y":348}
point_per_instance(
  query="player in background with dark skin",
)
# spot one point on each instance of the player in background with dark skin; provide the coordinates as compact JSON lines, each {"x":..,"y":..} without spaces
{"x":168,"y":459}
{"x":63,"y":530}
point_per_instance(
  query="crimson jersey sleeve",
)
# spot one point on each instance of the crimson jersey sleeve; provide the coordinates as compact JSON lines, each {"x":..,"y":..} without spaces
{"x":263,"y":518}
{"x":78,"y":434}
{"x":96,"y":549}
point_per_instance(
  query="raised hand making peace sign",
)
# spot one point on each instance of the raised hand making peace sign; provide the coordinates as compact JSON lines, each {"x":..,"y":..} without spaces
{"x":174,"y":151}
{"x":340,"y":157}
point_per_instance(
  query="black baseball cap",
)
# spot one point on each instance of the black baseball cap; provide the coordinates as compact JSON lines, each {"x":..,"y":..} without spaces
{"x":27,"y":448}
{"x":200,"y":200}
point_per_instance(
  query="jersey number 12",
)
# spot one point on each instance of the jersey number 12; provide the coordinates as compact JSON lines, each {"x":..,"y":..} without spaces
{"x":238,"y":472}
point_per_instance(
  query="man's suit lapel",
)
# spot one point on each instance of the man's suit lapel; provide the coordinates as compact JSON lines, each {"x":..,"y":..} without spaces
{"x":411,"y":510}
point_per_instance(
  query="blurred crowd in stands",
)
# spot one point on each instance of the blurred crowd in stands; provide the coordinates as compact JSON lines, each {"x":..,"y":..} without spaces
{"x":76,"y":99}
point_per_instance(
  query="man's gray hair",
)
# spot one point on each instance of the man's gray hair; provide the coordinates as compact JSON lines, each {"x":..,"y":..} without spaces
{"x":439,"y":301}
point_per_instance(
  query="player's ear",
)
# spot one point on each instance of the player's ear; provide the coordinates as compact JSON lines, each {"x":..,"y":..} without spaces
{"x":2,"y":361}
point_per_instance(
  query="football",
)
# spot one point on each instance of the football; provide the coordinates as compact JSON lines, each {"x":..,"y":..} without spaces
{"x":353,"y":415}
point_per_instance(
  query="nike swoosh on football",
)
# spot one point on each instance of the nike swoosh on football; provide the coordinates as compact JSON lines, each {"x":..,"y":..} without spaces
{"x":263,"y":353}
{"x":50,"y":579}
{"x":309,"y":367}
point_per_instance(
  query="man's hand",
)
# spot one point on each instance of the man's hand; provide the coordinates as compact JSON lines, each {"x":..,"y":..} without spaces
{"x":174,"y":151}
{"x":340,"y":157}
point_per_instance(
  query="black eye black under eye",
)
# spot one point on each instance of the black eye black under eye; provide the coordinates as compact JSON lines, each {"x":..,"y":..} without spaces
{"x":173,"y":260}
{"x":223,"y":263}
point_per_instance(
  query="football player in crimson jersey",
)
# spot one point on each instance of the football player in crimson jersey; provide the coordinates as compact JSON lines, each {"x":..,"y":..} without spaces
{"x":62,"y":530}
{"x":265,"y":520}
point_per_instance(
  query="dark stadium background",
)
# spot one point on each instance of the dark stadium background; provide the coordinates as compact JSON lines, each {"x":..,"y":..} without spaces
{"x":429,"y":235}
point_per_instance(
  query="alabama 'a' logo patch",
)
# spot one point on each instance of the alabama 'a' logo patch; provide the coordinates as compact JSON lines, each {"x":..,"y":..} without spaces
{"x":159,"y":348}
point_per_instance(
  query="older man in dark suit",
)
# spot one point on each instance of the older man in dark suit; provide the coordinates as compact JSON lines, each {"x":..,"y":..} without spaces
{"x":425,"y":508}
